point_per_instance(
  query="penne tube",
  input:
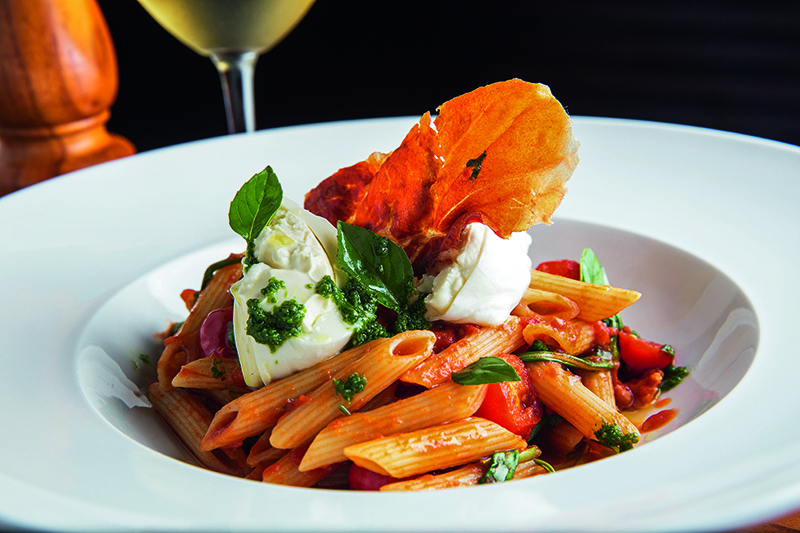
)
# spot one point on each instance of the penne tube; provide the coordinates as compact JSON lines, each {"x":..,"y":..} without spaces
{"x":464,"y":476}
{"x":284,"y":472}
{"x":189,"y":419}
{"x":595,"y":301}
{"x":563,"y":392}
{"x":262,"y":453}
{"x":385,"y":397}
{"x":184,"y":346}
{"x":215,"y":373}
{"x":600,"y":383}
{"x":561,"y":439}
{"x":215,"y":398}
{"x":386,"y":362}
{"x":457,"y":443}
{"x":529,"y":469}
{"x":546,"y":303}
{"x":444,"y":403}
{"x":574,"y":336}
{"x":484,"y":342}
{"x":256,"y":411}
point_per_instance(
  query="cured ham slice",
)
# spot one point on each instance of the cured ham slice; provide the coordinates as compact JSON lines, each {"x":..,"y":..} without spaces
{"x":500,"y":154}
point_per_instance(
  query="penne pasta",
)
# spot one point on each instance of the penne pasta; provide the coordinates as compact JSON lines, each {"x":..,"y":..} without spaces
{"x":600,"y":383}
{"x":444,"y":403}
{"x":464,"y":476}
{"x":484,"y":342}
{"x":215,"y":373}
{"x":262,"y":453}
{"x":433,"y":448}
{"x":388,"y":359}
{"x":564,"y":393}
{"x":184,"y":346}
{"x":284,"y":472}
{"x":574,"y":336}
{"x":460,"y":477}
{"x":546,"y":303}
{"x":189,"y":419}
{"x":256,"y":411}
{"x":345,"y":268}
{"x":561,"y":439}
{"x":596,"y":302}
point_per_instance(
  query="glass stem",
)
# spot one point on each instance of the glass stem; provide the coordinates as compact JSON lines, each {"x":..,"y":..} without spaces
{"x":236,"y":75}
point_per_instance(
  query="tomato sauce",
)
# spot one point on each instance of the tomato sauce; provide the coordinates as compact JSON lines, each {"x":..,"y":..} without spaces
{"x":659,"y":420}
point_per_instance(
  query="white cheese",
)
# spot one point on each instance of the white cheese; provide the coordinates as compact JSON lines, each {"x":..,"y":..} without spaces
{"x":288,"y":250}
{"x":486,"y":280}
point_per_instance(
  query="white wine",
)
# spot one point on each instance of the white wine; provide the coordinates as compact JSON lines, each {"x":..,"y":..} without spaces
{"x":228,"y":26}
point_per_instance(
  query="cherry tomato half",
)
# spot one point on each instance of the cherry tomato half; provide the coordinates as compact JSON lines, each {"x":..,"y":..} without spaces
{"x":640,"y":354}
{"x":564,"y":267}
{"x":512,"y":404}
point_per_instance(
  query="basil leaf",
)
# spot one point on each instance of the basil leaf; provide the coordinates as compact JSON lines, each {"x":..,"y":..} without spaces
{"x":502,"y":467}
{"x":486,"y":370}
{"x":381,"y":266}
{"x":255,"y":204}
{"x":565,"y":359}
{"x":592,"y":270}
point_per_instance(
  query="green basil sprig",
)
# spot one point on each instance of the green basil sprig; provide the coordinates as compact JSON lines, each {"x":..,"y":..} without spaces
{"x":484,"y":371}
{"x":380,"y":265}
{"x":254,"y":206}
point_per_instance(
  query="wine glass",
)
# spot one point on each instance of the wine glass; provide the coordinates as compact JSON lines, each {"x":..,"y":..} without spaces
{"x":233,"y":33}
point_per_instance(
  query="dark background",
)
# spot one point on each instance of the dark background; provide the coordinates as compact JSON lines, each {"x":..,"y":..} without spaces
{"x":729,"y":65}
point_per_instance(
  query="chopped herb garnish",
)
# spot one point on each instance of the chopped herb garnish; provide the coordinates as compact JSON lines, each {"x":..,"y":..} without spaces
{"x":274,"y":327}
{"x":271,"y":289}
{"x":357,"y":307}
{"x":486,"y":370}
{"x":611,"y":436}
{"x":230,"y":337}
{"x":475,"y":165}
{"x":348,"y":388}
{"x":343,"y":409}
{"x":673,"y":375}
{"x":217,"y":372}
{"x":502,"y":467}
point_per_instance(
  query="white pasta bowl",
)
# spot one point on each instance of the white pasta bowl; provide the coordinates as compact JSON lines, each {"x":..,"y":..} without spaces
{"x":95,"y":262}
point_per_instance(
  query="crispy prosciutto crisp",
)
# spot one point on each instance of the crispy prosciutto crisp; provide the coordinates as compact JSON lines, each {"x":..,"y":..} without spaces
{"x":500,"y":154}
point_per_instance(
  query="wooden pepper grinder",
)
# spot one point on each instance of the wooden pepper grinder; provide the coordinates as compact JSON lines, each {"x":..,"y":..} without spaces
{"x":58,"y":80}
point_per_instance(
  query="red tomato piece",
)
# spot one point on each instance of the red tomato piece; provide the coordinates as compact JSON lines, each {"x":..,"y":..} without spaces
{"x":564,"y":267}
{"x":512,"y":404}
{"x":640,"y":354}
{"x":189,"y":296}
{"x":603,"y":333}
